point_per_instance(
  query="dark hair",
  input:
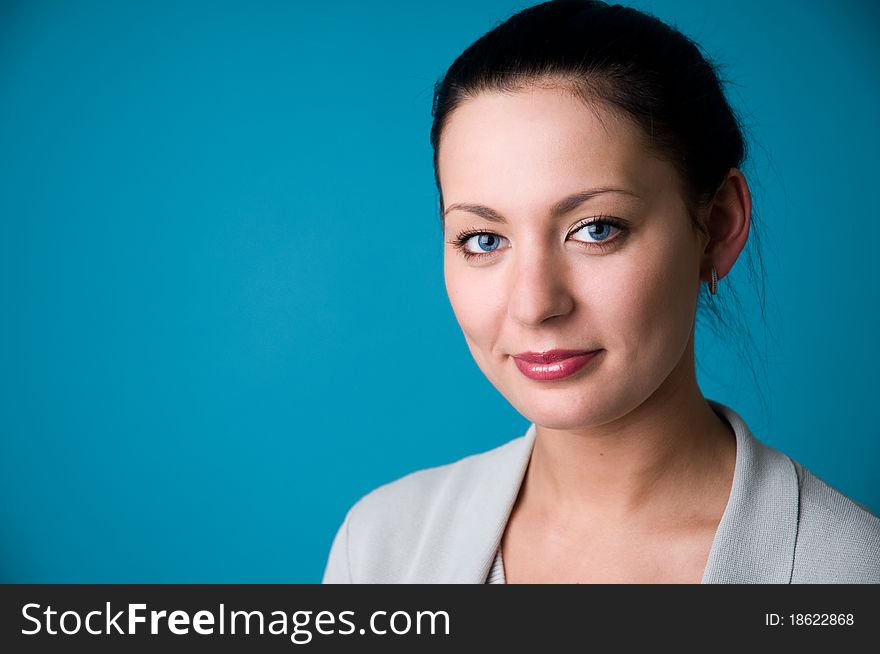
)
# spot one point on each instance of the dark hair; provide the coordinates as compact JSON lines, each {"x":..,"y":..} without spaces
{"x":635,"y":64}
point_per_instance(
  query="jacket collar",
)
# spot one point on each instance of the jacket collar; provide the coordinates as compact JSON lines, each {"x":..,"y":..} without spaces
{"x":755,"y":539}
{"x":754,"y":542}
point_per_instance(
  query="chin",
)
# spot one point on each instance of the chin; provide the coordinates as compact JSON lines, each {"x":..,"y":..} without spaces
{"x":565,"y":412}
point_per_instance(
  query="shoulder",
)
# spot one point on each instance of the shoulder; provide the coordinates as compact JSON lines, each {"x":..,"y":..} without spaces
{"x":791,"y":524}
{"x":411,"y":499}
{"x":427,"y":481}
{"x":838,"y":539}
{"x":382,"y":530}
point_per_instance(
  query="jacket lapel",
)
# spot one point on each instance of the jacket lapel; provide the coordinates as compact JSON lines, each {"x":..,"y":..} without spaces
{"x":756,"y":537}
{"x":479,"y":524}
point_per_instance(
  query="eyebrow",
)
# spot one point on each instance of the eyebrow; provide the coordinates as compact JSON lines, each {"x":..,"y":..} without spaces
{"x":561,"y":208}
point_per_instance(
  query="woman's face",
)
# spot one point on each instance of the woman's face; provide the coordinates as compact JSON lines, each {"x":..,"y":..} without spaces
{"x":539,"y":280}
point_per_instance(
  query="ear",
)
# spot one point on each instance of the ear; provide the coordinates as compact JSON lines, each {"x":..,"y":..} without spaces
{"x":728,"y":219}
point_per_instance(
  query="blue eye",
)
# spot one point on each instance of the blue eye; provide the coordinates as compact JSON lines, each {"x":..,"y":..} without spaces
{"x":486,"y":242}
{"x":603,"y":227}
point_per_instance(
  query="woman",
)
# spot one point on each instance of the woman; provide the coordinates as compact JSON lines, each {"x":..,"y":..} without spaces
{"x":588,"y":165}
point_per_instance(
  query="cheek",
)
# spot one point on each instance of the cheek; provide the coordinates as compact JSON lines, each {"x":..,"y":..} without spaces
{"x":476,"y":302}
{"x":650,"y":306}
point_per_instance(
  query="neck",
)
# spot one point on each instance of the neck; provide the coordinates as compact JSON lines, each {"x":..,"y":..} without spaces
{"x":663,"y":458}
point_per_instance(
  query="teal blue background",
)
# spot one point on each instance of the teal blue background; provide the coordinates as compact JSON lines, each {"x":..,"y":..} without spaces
{"x":218,"y":232}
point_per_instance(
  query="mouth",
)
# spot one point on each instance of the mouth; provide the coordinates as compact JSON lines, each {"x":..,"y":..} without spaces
{"x":551,"y":356}
{"x":555,"y":364}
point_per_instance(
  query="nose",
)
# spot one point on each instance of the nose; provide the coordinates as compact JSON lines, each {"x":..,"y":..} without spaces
{"x":538,"y":290}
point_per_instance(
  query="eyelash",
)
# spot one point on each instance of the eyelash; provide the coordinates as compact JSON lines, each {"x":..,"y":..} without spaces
{"x":462,"y":238}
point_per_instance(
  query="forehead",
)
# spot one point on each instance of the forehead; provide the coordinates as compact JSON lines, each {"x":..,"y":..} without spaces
{"x":528,"y":148}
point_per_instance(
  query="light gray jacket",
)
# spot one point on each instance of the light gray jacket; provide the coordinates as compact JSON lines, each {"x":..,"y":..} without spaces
{"x":782,"y":524}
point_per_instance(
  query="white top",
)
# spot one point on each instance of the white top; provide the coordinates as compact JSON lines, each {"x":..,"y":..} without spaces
{"x":496,"y":574}
{"x":782,"y":524}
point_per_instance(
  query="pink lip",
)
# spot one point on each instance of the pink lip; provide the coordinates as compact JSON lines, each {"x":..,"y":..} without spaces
{"x":555,"y":364}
